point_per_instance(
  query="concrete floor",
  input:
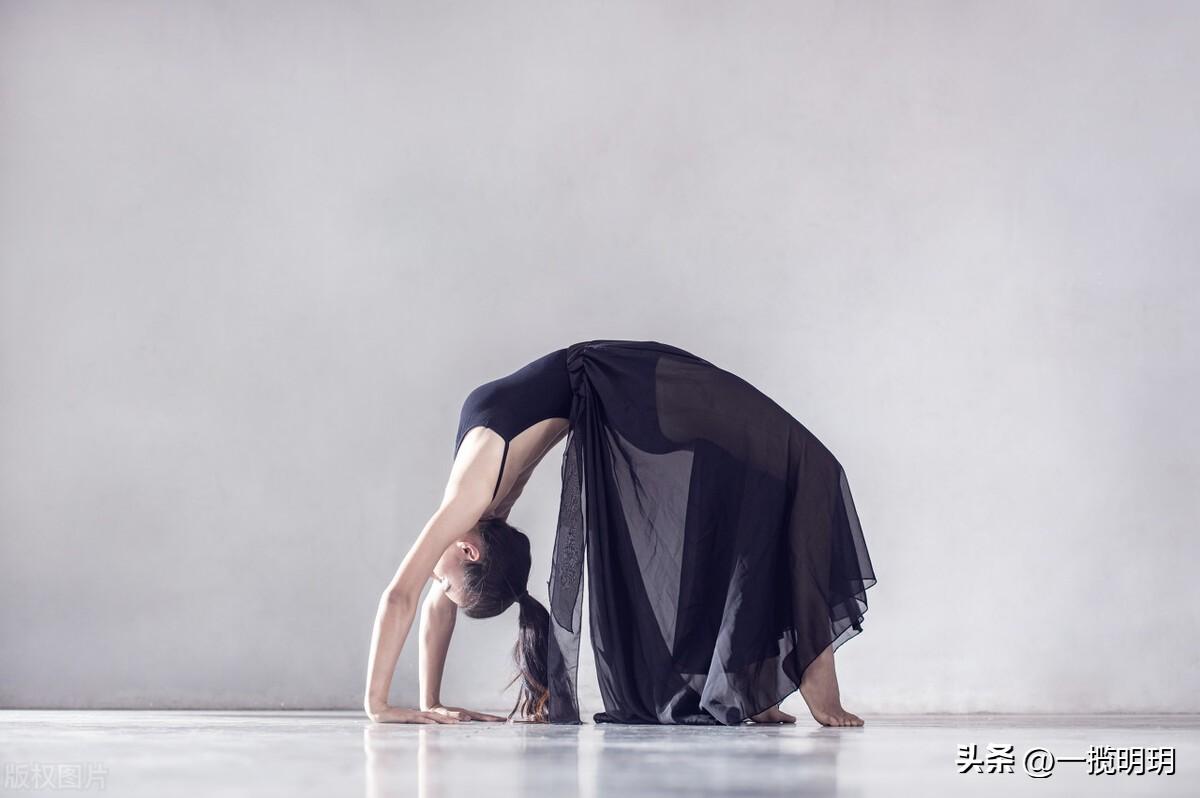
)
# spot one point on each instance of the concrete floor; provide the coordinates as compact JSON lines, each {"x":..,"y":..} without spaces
{"x":341,"y":754}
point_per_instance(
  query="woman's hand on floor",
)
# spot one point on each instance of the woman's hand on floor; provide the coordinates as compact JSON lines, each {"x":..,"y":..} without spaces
{"x":402,"y":715}
{"x":464,"y":714}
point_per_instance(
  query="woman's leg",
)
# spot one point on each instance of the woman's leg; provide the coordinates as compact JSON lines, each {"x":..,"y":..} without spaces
{"x":819,"y":687}
{"x":696,"y":401}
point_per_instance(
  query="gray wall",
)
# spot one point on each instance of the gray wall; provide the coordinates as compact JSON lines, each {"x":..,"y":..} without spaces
{"x":253,"y":256}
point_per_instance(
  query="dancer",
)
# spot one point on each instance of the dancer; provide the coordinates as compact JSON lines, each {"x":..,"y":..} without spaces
{"x":725,"y":560}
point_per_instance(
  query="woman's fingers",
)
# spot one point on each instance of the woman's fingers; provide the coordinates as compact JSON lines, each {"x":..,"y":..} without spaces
{"x":467,"y":714}
{"x":440,"y":717}
{"x":449,"y":712}
{"x":405,"y":715}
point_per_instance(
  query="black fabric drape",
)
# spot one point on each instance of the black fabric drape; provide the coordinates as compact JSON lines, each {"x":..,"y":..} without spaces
{"x":723,"y":549}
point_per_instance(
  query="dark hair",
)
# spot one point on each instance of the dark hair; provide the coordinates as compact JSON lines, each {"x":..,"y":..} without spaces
{"x":491,"y":584}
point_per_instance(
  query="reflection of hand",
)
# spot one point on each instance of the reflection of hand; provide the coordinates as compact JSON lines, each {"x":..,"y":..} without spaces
{"x":401,"y":715}
{"x":463,"y":714}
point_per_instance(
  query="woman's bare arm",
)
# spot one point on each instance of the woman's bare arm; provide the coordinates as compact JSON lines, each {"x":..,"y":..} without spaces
{"x":438,"y":614}
{"x":467,"y":495}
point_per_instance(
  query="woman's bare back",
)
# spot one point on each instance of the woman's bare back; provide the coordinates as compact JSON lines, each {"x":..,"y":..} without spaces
{"x":525,"y":451}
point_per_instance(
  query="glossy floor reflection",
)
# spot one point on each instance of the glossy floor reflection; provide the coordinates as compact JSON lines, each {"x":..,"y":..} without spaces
{"x":341,"y":754}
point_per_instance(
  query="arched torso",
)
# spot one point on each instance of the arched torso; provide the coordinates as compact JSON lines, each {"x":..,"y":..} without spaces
{"x":518,"y":417}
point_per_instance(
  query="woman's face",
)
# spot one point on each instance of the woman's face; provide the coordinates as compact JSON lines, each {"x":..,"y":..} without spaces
{"x":448,"y":571}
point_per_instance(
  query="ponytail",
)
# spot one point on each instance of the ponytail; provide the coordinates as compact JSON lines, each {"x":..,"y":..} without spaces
{"x":490,"y":587}
{"x":530,"y":655}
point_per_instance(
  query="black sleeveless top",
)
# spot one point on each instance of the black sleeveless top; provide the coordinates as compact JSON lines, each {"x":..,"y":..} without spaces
{"x":511,"y":404}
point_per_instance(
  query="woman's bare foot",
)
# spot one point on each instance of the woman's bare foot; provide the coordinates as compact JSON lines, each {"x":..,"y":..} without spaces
{"x":819,"y":687}
{"x":773,"y":715}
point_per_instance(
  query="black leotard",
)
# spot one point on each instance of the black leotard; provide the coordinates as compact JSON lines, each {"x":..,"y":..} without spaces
{"x":513,"y":403}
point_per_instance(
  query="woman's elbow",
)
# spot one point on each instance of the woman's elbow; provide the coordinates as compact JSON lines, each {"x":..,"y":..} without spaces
{"x":398,"y":597}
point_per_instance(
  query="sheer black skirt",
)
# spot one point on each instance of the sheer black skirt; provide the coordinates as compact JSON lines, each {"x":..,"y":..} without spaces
{"x":723,"y":548}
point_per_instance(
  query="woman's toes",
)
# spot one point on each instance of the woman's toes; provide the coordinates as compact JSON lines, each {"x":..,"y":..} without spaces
{"x":772,"y":715}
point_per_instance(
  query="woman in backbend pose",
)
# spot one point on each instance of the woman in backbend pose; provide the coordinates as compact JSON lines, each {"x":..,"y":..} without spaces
{"x":725,"y":561}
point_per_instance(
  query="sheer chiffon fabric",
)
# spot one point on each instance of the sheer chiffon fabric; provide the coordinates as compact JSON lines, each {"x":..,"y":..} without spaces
{"x":723,"y":549}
